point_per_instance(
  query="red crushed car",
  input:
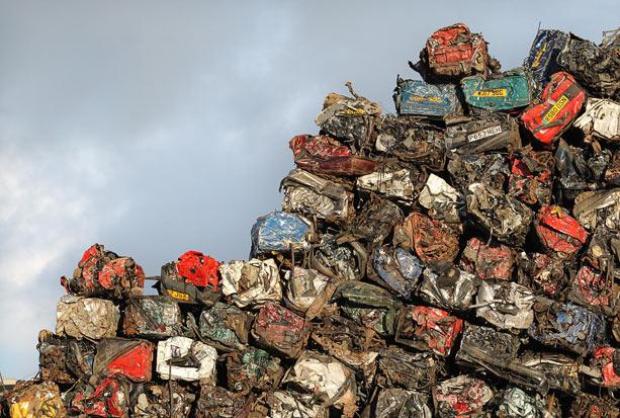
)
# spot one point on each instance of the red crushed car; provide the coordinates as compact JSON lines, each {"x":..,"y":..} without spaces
{"x":199,"y":269}
{"x":279,"y":328}
{"x":488,"y":261}
{"x":109,"y":398}
{"x":561,"y":102}
{"x":132,"y":359}
{"x":323,"y":154}
{"x":456,"y":51}
{"x":559,"y":231}
{"x":104,"y":273}
{"x":425,"y":328}
{"x":193,"y":278}
{"x":604,"y":359}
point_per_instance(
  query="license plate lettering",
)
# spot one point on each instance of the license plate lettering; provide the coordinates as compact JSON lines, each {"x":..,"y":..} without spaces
{"x":485,"y":133}
{"x":178,"y":295}
{"x":500,"y":92}
{"x":431,"y":99}
{"x":555,"y":109}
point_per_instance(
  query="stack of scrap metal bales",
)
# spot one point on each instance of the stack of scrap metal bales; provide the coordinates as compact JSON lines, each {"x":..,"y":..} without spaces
{"x":458,"y":259}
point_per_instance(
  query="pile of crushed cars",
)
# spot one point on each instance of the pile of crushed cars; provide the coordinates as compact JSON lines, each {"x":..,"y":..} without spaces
{"x":458,"y":259}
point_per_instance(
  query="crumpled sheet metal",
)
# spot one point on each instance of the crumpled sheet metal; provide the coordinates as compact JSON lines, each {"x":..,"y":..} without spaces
{"x":252,"y":369}
{"x":339,"y":261}
{"x":322,"y":154}
{"x":376,"y":220}
{"x":558,"y":231}
{"x":392,"y":302}
{"x":109,"y":398}
{"x":396,"y":184}
{"x":590,"y":406}
{"x":407,"y":370}
{"x":351,"y":343}
{"x":251,"y":282}
{"x":321,"y":147}
{"x":488,"y":261}
{"x":152,"y":317}
{"x":606,"y":360}
{"x":615,"y":328}
{"x":92,"y":318}
{"x":317,"y":197}
{"x":158,"y":401}
{"x":132,"y":359}
{"x":461,"y":396}
{"x":415,"y":97}
{"x":578,"y":169}
{"x":504,"y":217}
{"x":433,"y":241}
{"x":287,"y":404}
{"x":181,"y":358}
{"x":307,"y":290}
{"x":411,"y":140}
{"x":280,"y":232}
{"x":506,"y":91}
{"x":330,"y":381}
{"x":29,"y":400}
{"x":226,"y":327}
{"x":595,"y":291}
{"x":198,"y":269}
{"x":441,"y":200}
{"x":215,"y":401}
{"x":506,"y":305}
{"x":490,"y":351}
{"x":484,"y":132}
{"x":541,"y":61}
{"x":397,"y":268}
{"x":401,"y":403}
{"x":123,"y":277}
{"x":558,"y":371}
{"x":453,"y":51}
{"x":368,"y":305}
{"x":64,"y":360}
{"x":348,"y":118}
{"x":597,"y":68}
{"x":172,"y":285}
{"x":428,"y":329}
{"x":518,"y":404}
{"x":104,"y":273}
{"x":602,"y":251}
{"x":531,"y":177}
{"x":567,"y":326}
{"x":448,"y":288}
{"x":560,"y":103}
{"x":491,"y":169}
{"x":277,"y":328}
{"x":600,"y":120}
{"x":612,"y":172}
{"x":600,"y":207}
{"x":542,"y":273}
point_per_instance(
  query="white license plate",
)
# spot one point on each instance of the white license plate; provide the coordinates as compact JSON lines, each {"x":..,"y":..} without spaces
{"x":485,"y":133}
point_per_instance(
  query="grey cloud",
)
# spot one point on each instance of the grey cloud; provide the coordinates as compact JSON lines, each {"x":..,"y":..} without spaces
{"x":155,"y":127}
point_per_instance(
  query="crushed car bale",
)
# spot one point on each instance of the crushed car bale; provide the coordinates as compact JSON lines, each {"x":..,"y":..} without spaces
{"x":459,"y":258}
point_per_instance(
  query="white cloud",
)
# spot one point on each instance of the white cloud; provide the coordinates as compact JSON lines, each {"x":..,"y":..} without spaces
{"x":46,"y":215}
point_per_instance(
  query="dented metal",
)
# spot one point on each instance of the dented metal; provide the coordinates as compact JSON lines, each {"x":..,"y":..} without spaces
{"x":444,"y":261}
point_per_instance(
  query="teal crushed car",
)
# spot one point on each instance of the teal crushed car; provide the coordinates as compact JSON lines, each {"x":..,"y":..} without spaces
{"x":506,"y":91}
{"x":415,"y":97}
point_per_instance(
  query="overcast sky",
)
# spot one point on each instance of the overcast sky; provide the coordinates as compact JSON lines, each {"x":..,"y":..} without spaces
{"x":154,"y":127}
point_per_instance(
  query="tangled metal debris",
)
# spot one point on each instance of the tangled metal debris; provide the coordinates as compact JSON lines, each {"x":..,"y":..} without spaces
{"x":460,"y":258}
